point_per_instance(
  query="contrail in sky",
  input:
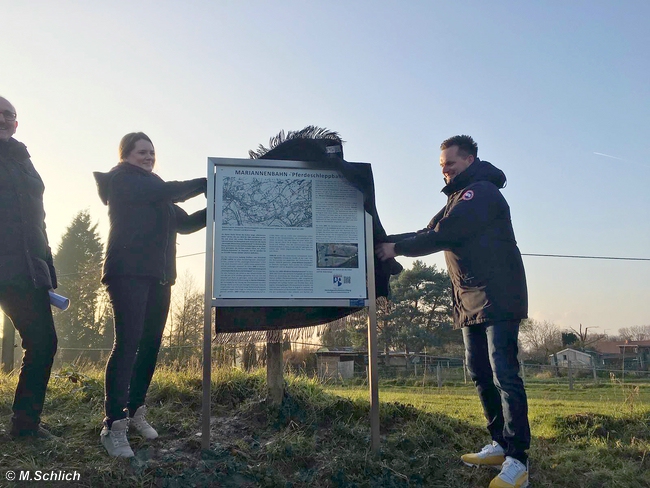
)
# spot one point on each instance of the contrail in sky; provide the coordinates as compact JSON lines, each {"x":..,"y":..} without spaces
{"x":608,"y":156}
{"x":619,"y":159}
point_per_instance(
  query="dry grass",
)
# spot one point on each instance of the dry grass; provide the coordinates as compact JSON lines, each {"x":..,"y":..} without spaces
{"x":320,"y":438}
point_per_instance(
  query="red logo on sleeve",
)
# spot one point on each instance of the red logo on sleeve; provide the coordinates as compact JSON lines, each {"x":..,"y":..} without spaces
{"x":468,"y":195}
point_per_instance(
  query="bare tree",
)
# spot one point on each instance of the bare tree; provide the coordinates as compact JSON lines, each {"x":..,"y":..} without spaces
{"x":185,"y":323}
{"x":635,"y":333}
{"x":585,"y":339}
{"x":539,"y":339}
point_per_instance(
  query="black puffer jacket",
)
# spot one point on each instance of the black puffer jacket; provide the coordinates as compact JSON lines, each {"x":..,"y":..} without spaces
{"x":483,"y":260}
{"x":25,"y":255}
{"x":144,"y":221}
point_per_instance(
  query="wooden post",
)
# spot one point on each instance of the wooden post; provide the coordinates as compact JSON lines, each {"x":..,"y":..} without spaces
{"x":623,"y":367}
{"x":593,"y":364}
{"x":570,"y":374}
{"x":424,"y":368}
{"x":523,"y":372}
{"x":439,"y":375}
{"x":464,"y":371}
{"x":274,"y":372}
{"x":424,"y":373}
{"x":8,"y":343}
{"x":557,"y":365}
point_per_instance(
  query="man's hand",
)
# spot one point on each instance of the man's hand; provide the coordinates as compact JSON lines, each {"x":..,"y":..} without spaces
{"x":385,"y":251}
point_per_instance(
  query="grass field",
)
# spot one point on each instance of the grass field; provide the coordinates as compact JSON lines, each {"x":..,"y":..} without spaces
{"x":595,"y":436}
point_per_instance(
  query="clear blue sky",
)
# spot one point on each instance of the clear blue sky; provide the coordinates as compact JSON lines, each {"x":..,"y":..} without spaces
{"x":556,"y":94}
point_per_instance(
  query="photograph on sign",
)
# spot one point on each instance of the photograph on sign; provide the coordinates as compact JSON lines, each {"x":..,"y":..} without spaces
{"x":288,"y":233}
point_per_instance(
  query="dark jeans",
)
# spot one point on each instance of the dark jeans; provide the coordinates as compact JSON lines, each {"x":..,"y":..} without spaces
{"x":29,"y":310}
{"x":491,"y":352}
{"x":140,"y":307}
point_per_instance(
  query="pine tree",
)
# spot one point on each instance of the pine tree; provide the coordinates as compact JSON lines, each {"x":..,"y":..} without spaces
{"x":78,"y":264}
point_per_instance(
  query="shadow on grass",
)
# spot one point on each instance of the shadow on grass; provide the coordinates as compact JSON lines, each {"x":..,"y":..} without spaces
{"x":313,"y":439}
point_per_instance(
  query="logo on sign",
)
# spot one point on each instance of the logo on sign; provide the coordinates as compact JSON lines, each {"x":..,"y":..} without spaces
{"x":340,"y":280}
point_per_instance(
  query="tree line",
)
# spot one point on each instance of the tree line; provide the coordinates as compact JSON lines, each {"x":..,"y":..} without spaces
{"x":85,"y":329}
{"x":416,"y":318}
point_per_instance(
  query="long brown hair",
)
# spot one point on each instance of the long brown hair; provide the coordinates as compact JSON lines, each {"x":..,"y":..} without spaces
{"x":128,"y":143}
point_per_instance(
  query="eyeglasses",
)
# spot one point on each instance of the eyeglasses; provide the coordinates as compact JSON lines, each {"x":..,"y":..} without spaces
{"x":9,"y":116}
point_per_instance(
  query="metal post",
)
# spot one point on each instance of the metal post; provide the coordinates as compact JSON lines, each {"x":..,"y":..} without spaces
{"x":570,"y":374}
{"x":372,"y":338}
{"x":439,"y":375}
{"x":523,"y":372}
{"x":207,"y":312}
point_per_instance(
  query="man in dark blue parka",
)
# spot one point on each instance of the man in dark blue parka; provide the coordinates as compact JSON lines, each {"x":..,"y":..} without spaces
{"x":26,"y":275}
{"x":489,"y":295}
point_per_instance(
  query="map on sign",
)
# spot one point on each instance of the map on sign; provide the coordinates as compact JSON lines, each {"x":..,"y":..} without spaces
{"x":256,"y":202}
{"x":287,"y":233}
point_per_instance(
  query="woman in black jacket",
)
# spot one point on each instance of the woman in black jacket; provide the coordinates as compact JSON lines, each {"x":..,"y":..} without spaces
{"x":139,"y":270}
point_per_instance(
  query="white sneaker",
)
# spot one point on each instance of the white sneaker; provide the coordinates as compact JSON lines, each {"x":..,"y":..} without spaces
{"x":514,"y":474}
{"x":114,"y":439}
{"x":139,"y":423}
{"x":491,"y":455}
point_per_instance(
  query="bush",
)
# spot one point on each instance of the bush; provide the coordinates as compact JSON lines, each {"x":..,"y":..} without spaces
{"x":300,"y":361}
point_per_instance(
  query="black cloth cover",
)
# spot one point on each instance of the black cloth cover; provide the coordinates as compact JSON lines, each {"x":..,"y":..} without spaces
{"x":243,"y":319}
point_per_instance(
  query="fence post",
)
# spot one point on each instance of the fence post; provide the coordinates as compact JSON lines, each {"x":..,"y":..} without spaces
{"x":8,"y":343}
{"x":424,"y":373}
{"x":439,"y":374}
{"x":464,"y":371}
{"x":523,"y":373}
{"x":570,"y":374}
{"x":623,"y":367}
{"x":593,"y":363}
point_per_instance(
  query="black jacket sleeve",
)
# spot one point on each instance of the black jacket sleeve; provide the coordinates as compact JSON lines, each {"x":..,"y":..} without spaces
{"x":186,"y":224}
{"x":434,"y":221}
{"x":465,"y":219}
{"x":400,"y":237}
{"x":137,"y":188}
{"x":408,"y":235}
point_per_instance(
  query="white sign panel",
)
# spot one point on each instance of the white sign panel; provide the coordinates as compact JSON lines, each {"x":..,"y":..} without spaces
{"x":288,"y":233}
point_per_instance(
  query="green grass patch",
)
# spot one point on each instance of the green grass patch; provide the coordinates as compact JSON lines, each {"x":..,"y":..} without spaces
{"x":319,"y":437}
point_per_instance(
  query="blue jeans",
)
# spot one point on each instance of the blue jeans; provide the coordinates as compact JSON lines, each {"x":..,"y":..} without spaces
{"x":491,"y":353}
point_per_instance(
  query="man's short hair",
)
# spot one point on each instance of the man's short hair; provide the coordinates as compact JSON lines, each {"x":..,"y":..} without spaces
{"x":466,"y":145}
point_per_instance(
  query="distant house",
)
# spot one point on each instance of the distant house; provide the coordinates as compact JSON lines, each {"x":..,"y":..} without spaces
{"x":578,"y":359}
{"x":338,"y":363}
{"x":343,"y":362}
{"x":634,"y":354}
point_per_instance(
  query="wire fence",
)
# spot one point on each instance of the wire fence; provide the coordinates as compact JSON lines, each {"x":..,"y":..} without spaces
{"x":426,"y":371}
{"x":454,"y":372}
